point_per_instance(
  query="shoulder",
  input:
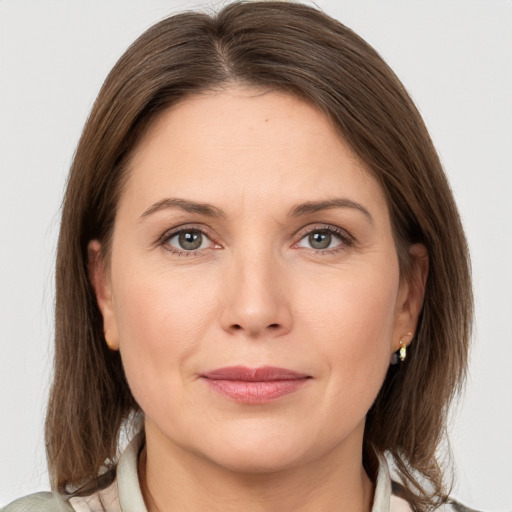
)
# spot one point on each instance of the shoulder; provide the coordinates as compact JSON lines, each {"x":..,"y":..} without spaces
{"x":39,"y":502}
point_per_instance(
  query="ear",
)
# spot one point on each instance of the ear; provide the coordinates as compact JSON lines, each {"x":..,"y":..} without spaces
{"x":100,"y":280}
{"x":410,"y":297}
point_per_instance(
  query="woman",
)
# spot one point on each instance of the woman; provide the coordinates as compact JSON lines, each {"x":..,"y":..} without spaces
{"x":261,"y":277}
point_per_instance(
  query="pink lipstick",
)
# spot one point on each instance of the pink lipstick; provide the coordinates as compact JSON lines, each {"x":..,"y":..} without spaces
{"x":254,"y":385}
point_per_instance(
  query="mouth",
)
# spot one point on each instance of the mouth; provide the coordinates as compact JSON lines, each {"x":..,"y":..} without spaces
{"x":254,"y":385}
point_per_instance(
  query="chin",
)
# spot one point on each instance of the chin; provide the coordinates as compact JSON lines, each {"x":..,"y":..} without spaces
{"x":262,"y":450}
{"x":257,"y":459}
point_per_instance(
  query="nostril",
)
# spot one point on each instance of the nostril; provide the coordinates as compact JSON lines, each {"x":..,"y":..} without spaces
{"x":237,"y":327}
{"x":274,"y":326}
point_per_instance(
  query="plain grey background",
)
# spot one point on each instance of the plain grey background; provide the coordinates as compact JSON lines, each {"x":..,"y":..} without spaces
{"x":455,"y":58}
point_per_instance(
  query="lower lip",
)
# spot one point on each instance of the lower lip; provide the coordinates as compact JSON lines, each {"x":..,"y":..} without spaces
{"x":259,"y":392}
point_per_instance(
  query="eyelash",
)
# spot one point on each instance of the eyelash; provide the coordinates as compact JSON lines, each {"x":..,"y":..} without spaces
{"x":346,"y":240}
{"x":169,"y":235}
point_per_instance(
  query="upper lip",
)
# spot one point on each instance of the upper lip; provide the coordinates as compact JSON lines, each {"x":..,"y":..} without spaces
{"x":261,"y":374}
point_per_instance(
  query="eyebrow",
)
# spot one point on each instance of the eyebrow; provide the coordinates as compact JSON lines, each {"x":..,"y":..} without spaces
{"x":297,"y":211}
{"x":186,"y":205}
{"x":316,"y":206}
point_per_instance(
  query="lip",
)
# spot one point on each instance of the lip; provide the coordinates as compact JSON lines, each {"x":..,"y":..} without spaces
{"x":254,"y":385}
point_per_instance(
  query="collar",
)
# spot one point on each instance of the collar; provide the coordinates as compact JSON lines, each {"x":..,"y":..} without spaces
{"x":130,"y":494}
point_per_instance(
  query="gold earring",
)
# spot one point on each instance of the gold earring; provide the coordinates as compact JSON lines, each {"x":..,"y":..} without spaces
{"x":402,"y":353}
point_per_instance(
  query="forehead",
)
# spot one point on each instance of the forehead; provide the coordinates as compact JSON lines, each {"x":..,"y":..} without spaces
{"x":246,"y":145}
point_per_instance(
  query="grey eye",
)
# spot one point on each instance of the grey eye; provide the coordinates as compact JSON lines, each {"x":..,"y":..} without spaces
{"x":320,"y":239}
{"x":188,"y":240}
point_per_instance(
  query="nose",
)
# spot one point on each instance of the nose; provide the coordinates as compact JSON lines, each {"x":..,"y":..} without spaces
{"x":256,"y":299}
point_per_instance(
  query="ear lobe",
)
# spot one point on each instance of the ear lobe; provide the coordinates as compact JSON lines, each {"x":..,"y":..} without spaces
{"x":411,"y":296}
{"x":103,"y":290}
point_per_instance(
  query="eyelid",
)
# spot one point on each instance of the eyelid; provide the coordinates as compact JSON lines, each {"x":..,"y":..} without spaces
{"x":176,"y":230}
{"x":347,"y":240}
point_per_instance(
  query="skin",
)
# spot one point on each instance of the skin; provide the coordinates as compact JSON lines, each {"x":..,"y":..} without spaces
{"x":255,"y":293}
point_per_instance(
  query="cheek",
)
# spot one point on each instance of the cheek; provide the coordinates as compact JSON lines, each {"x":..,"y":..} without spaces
{"x":352,"y":323}
{"x":356,"y":303}
{"x":161,"y":319}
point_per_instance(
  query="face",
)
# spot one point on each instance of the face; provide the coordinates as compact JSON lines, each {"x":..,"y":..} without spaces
{"x":253,"y":287}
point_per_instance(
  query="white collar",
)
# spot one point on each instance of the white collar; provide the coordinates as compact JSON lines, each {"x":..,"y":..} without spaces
{"x":130,"y":494}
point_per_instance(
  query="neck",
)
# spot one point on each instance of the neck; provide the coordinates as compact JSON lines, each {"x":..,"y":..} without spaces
{"x":173,"y":479}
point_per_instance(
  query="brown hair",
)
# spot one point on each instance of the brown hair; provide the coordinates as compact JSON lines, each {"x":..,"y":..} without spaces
{"x":298,"y":49}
